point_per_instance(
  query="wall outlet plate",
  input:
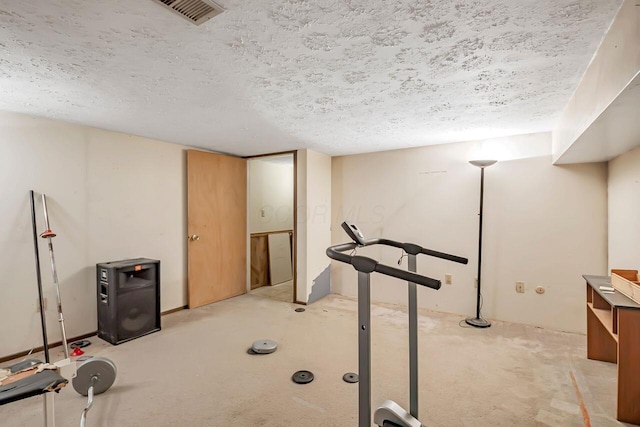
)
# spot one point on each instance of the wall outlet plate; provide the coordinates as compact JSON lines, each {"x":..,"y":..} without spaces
{"x":520,"y":287}
{"x":447,"y":279}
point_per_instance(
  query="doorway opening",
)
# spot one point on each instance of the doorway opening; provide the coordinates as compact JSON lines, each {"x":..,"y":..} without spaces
{"x":271,"y":220}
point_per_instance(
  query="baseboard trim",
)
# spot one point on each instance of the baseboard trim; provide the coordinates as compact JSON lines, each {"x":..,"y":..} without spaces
{"x":174,"y":310}
{"x":78,"y":338}
{"x":41,"y":348}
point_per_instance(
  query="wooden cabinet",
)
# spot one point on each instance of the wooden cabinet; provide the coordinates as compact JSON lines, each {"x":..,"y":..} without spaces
{"x":613,"y":335}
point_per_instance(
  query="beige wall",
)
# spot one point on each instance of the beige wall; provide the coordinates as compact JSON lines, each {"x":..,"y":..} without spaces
{"x":136,"y":191}
{"x":271,"y":191}
{"x":624,"y":211}
{"x":614,"y":65}
{"x":114,"y":196}
{"x":111,"y":196}
{"x":544,"y":225}
{"x":314,"y":218}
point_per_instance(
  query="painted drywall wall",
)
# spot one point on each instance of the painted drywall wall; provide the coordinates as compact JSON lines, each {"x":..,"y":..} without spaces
{"x":545,"y":225}
{"x":614,"y":65}
{"x":301,"y":227}
{"x":110,"y":196}
{"x":136,"y":193}
{"x":47,"y":157}
{"x":314,"y":222}
{"x":270,"y":195}
{"x":624,"y":211}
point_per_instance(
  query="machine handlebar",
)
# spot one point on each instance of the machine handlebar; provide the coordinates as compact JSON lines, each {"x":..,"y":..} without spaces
{"x":368,"y":265}
{"x":413,"y":249}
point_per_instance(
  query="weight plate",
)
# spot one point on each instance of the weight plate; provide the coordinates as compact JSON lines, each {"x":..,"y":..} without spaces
{"x":100,"y":368}
{"x":302,"y":377}
{"x":264,"y":346}
{"x":81,"y":344}
{"x":350,"y":377}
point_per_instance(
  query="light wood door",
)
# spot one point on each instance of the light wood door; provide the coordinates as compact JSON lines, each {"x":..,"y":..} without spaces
{"x":217,"y":227}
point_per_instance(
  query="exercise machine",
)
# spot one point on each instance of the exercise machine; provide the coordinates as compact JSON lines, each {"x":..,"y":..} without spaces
{"x":389,"y":414}
{"x":32,"y":377}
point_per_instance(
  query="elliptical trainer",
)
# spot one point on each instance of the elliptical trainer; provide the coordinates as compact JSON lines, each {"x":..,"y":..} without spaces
{"x":389,"y":413}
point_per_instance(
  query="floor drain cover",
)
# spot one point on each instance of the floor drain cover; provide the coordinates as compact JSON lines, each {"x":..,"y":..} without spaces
{"x":299,"y":310}
{"x":264,"y":346}
{"x":350,"y":377}
{"x":302,"y":377}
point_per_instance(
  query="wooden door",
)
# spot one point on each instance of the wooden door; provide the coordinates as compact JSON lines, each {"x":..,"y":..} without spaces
{"x":217,"y":227}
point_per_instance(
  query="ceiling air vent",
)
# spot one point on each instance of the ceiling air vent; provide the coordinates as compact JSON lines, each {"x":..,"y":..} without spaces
{"x":195,"y":11}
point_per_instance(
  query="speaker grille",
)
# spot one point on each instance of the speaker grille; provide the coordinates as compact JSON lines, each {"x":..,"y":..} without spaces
{"x":136,"y":312}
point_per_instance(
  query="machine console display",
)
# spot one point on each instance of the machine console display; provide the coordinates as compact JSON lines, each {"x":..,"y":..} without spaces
{"x":354,"y":232}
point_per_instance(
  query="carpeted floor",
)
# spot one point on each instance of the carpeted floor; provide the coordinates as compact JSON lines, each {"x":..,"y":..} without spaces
{"x":280,"y":292}
{"x":197,"y":372}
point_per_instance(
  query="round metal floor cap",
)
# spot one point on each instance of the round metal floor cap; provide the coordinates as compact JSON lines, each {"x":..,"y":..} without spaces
{"x":98,"y":370}
{"x":302,"y":377}
{"x":350,"y":377}
{"x":264,"y":346}
{"x":299,"y":310}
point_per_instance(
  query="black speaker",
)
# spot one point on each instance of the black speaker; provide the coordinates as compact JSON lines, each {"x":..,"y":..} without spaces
{"x":128,"y":299}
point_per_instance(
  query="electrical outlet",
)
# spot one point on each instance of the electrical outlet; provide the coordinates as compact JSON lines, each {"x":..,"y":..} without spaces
{"x":447,"y":279}
{"x":540,"y":290}
{"x":520,"y":287}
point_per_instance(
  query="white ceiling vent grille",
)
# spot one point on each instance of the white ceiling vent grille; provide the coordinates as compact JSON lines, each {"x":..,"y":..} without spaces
{"x":195,"y":11}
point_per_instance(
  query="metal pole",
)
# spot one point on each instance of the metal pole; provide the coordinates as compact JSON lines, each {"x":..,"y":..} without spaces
{"x":364,"y":349}
{"x":480,"y":243}
{"x":49,"y":235}
{"x":413,"y":341}
{"x":43,"y":319}
{"x":49,"y":410}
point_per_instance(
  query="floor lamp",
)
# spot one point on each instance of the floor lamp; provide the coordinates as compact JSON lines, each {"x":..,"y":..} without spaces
{"x":478,"y":321}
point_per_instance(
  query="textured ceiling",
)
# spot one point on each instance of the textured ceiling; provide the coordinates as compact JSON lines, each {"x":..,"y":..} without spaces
{"x":337,"y":76}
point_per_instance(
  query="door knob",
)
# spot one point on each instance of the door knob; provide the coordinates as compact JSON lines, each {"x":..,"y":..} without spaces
{"x":194,"y":238}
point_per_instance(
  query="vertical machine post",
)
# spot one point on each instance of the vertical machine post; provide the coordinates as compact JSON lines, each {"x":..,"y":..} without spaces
{"x":364,"y":349}
{"x":49,"y":410}
{"x":413,"y":341}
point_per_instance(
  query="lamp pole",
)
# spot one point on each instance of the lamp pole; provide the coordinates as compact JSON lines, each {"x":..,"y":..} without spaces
{"x":478,"y":321}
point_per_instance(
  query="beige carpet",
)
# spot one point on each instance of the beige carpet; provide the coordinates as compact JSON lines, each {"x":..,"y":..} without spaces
{"x":280,"y":292}
{"x":196,"y":371}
